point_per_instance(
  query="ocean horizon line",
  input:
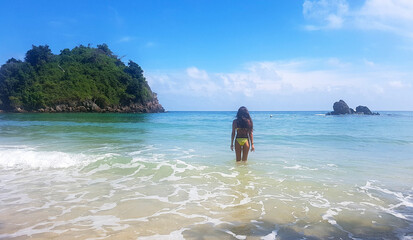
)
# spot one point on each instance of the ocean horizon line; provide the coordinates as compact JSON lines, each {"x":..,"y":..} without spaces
{"x":277,"y":111}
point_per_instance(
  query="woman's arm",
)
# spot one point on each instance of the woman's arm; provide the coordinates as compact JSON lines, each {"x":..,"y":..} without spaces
{"x":233,"y":135}
{"x":252,"y":142}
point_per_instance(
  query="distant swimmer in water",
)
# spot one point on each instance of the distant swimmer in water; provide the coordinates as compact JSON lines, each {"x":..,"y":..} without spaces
{"x":242,"y":128}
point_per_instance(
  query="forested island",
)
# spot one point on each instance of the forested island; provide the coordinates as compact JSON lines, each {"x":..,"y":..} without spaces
{"x":83,"y":79}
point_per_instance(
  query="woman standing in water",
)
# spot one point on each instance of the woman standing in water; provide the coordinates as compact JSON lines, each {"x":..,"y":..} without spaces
{"x":242,"y":127}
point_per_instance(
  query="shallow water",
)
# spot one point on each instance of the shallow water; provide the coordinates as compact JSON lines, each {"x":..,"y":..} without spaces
{"x":173,"y":176}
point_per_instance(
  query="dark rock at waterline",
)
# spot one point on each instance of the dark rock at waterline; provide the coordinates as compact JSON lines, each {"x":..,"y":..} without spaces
{"x":341,"y":108}
{"x":152,"y":106}
{"x":364,"y":110}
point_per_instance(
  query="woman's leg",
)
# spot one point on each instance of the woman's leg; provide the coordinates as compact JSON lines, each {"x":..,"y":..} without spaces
{"x":245,"y":150}
{"x":237,"y":151}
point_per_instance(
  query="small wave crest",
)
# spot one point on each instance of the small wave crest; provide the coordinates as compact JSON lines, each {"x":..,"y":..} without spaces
{"x":22,"y":157}
{"x":299,"y":167}
{"x":395,"y":203}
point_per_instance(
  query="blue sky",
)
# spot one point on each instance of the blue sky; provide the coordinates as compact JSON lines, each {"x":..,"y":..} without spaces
{"x":219,"y":55}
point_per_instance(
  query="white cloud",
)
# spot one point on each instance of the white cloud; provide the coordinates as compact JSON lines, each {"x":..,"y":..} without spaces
{"x":378,"y":89}
{"x":368,"y":63}
{"x":161,"y":79}
{"x":191,"y":82}
{"x":394,"y":16}
{"x":334,"y":21}
{"x":195,"y":73}
{"x":387,"y":15}
{"x":388,"y":9}
{"x":398,"y":84}
{"x":335,"y":62}
{"x":300,"y":81}
{"x":327,"y":14}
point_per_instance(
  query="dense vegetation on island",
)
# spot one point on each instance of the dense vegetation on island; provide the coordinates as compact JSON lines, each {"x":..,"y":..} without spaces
{"x":82,"y":79}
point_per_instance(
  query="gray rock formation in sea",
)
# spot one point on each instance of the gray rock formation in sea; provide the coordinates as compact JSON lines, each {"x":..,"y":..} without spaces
{"x":341,"y":108}
{"x":364,"y":110}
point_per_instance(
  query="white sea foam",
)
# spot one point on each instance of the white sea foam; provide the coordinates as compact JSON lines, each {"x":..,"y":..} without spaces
{"x":175,"y":235}
{"x":94,"y":222}
{"x":232,"y":175}
{"x":299,"y":167}
{"x":21,"y":157}
{"x":270,"y":236}
{"x":235,"y":235}
{"x":345,"y":203}
{"x":104,"y":207}
{"x":392,"y":208}
{"x":329,"y":215}
{"x":293,"y":167}
{"x":315,"y":199}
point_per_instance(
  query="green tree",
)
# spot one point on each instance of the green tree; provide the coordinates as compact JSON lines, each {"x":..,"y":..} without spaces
{"x":39,"y":55}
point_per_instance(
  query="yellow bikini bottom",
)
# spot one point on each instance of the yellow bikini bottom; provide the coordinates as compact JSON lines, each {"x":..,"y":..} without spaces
{"x":242,"y":141}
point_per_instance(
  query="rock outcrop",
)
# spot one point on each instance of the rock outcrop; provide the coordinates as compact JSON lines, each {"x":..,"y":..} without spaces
{"x":341,"y":108}
{"x":152,"y":106}
{"x":364,"y":110}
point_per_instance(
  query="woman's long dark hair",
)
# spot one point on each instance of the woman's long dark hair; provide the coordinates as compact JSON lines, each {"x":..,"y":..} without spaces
{"x":244,"y":119}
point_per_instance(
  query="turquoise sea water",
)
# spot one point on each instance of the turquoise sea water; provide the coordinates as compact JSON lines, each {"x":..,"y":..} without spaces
{"x":173,"y":176}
